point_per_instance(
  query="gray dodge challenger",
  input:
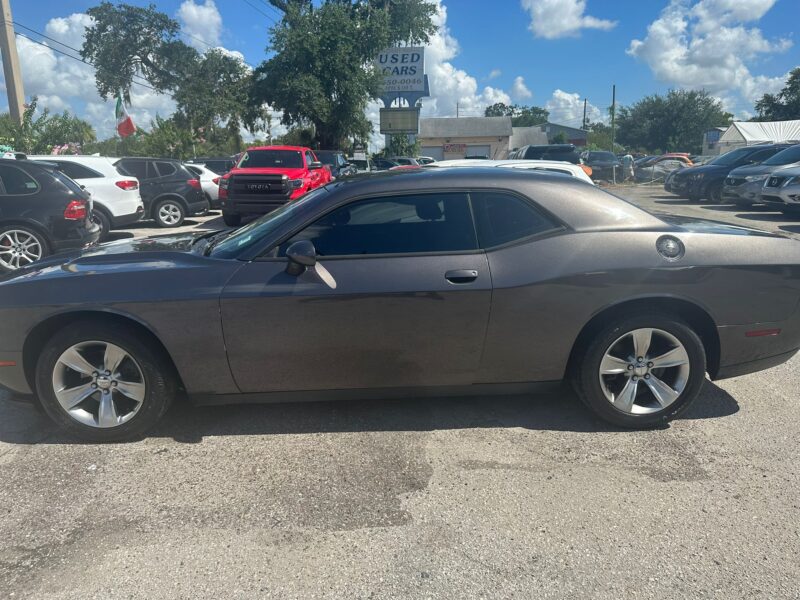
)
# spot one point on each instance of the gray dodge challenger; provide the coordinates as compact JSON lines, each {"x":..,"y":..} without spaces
{"x":416,"y":283}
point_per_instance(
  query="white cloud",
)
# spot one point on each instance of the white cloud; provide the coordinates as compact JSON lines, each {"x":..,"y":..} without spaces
{"x":567,"y":109}
{"x":201,"y":23}
{"x":708,"y":45}
{"x":494,"y":74}
{"x":551,"y":19}
{"x":519,"y":91}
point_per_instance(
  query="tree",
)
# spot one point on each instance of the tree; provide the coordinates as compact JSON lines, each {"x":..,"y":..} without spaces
{"x":599,"y":137}
{"x":559,"y":138}
{"x":783,"y":106}
{"x":321,"y":74}
{"x":521,"y":116}
{"x":39,"y":135}
{"x":671,"y":123}
{"x":401,"y":145}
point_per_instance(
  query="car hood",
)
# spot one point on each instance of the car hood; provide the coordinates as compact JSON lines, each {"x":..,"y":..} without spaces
{"x":748,"y":170}
{"x":290,"y":173}
{"x":113,"y":256}
{"x":705,"y":170}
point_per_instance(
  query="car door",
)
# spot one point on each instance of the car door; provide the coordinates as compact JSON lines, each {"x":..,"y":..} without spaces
{"x":399,"y":298}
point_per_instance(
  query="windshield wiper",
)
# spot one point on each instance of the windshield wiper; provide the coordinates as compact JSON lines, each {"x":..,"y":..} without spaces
{"x":214,"y":240}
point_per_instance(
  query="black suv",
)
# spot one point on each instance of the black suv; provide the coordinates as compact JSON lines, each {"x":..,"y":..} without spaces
{"x":42,"y":211}
{"x":170,"y":192}
{"x":337,"y":162}
{"x":565,"y":152}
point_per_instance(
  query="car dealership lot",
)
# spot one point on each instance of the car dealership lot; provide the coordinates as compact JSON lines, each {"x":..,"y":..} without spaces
{"x":497,"y":497}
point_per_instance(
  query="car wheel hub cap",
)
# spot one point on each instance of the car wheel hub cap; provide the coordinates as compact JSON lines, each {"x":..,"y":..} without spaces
{"x":644,"y":371}
{"x":18,"y":248}
{"x":98,"y":384}
{"x":170,"y":214}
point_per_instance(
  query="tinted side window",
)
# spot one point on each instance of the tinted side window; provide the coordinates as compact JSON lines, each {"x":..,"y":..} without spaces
{"x":76,"y":171}
{"x":165,"y":169}
{"x":310,"y":158}
{"x":135,"y":168}
{"x":762,"y":155}
{"x":395,"y":225}
{"x":16,"y":182}
{"x":503,"y":218}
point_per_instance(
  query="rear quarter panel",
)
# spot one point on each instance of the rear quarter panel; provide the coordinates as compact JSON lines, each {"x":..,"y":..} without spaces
{"x":546,"y":291}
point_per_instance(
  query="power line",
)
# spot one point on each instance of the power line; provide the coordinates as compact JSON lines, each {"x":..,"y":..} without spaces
{"x":86,"y":62}
{"x":258,"y":10}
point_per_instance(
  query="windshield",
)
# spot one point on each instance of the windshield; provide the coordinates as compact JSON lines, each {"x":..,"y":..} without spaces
{"x":272,"y":159}
{"x":784,"y":157}
{"x":730,"y":158}
{"x":257,"y":230}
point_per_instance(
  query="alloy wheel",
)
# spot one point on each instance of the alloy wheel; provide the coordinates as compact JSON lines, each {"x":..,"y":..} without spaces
{"x":169,"y":213}
{"x":19,"y":248}
{"x":99,"y":384}
{"x":644,"y":371}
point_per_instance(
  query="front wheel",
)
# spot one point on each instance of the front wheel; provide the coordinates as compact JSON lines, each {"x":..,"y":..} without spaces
{"x":641,"y":371}
{"x":103,"y":383}
{"x":232,"y":219}
{"x":169,"y":213}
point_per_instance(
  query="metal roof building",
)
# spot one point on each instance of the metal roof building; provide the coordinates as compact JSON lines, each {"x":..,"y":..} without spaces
{"x":451,"y":138}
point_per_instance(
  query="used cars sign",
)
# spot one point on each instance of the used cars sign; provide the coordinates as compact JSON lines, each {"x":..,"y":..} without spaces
{"x":403,"y":69}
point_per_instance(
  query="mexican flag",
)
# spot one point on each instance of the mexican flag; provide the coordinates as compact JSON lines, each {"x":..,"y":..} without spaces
{"x":125,"y":126}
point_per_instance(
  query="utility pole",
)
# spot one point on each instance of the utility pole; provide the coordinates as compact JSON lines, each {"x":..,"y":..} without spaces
{"x":613,"y":122}
{"x":584,"y":114}
{"x":456,"y":110}
{"x":8,"y":47}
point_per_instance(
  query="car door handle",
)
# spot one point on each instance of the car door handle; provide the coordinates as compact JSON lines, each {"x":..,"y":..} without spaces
{"x":461,"y":276}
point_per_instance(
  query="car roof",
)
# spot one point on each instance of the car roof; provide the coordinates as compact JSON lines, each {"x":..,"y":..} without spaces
{"x":297,"y":148}
{"x":149,"y":158}
{"x":582,"y":206}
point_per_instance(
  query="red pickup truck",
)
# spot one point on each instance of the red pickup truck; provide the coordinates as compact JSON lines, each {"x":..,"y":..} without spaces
{"x":267,"y":177}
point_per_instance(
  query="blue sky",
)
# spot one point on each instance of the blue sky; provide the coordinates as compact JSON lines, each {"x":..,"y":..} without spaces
{"x":547,"y":52}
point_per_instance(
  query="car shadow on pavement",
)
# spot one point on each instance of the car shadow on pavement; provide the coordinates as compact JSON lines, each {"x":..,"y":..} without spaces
{"x":790,"y":228}
{"x":184,"y":423}
{"x":114,"y":236}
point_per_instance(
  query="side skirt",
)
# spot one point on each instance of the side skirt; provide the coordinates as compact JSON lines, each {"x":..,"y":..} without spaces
{"x":484,"y":389}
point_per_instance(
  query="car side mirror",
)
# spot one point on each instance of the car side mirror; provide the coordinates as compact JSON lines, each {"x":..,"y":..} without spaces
{"x":315,"y":165}
{"x":301,"y":255}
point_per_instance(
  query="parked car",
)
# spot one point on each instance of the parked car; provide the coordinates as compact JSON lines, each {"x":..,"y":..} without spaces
{"x":782,"y":190}
{"x":363,"y":165}
{"x":337,"y":162}
{"x":209,"y":183}
{"x":706,"y":181}
{"x":404,"y":161}
{"x":419,"y":282}
{"x":660,"y":168}
{"x":604,"y":164}
{"x":563,"y":152}
{"x":116,"y":199}
{"x":268,"y":177}
{"x":544,"y":166}
{"x":219,"y":164}
{"x":42,"y":211}
{"x":743,"y":185}
{"x":384,"y":164}
{"x":425,"y":160}
{"x":170,"y":191}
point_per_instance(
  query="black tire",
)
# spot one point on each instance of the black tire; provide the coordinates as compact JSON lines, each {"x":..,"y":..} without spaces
{"x":39,"y":237}
{"x":586,"y":369}
{"x":173,"y":206}
{"x":159,"y":379}
{"x":103,"y":220}
{"x":232,"y":219}
{"x":714,"y":193}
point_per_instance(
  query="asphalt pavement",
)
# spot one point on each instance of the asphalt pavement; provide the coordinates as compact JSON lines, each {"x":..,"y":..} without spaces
{"x":456,"y":498}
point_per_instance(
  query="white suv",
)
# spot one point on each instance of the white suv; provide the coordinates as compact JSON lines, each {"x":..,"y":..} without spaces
{"x":209,"y":182}
{"x":115,"y":196}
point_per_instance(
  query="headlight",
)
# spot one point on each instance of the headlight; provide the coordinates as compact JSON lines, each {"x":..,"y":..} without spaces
{"x":223,"y":183}
{"x":295,"y":184}
{"x":755,"y":178}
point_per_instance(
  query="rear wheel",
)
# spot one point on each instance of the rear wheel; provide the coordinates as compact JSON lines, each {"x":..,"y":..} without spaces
{"x":232,"y":219}
{"x":169,"y":213}
{"x":103,"y":383}
{"x":20,"y":246}
{"x":641,"y":371}
{"x":103,"y":220}
{"x":715,"y":193}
